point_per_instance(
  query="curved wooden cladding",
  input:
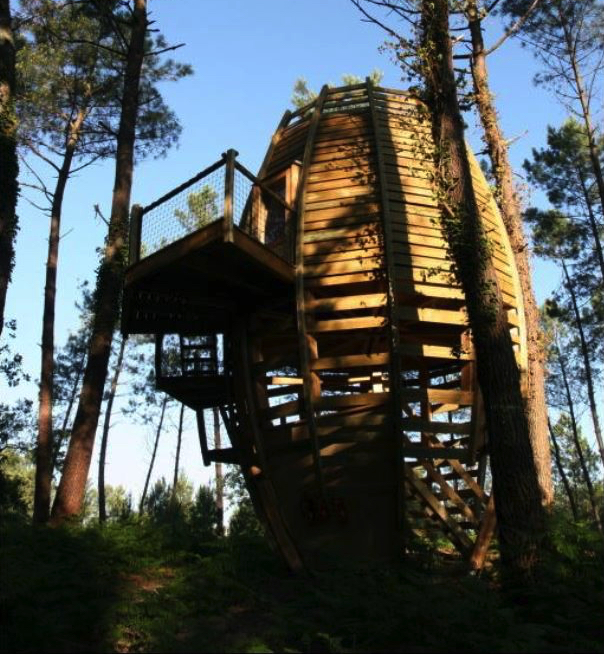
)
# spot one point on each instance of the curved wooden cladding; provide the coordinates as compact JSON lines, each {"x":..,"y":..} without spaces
{"x":380,"y":346}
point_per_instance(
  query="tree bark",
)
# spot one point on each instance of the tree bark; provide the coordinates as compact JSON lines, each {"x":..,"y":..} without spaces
{"x":585,"y":109}
{"x":9,"y":170}
{"x":44,"y":450}
{"x":593,"y":223}
{"x":72,"y":396}
{"x":219,"y":476}
{"x":575,"y":431}
{"x":520,"y":514}
{"x":509,"y":205}
{"x":567,"y":488}
{"x":586,"y":362}
{"x":106,"y":427}
{"x":153,"y":455}
{"x":177,"y":457}
{"x":71,"y":489}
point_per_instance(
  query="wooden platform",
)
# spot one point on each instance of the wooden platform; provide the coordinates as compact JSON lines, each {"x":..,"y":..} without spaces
{"x":197,"y":283}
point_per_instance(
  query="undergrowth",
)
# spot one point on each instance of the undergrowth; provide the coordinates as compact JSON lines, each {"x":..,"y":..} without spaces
{"x":133,"y":587}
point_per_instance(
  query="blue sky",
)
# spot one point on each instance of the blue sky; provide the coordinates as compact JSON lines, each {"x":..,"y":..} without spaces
{"x":247,"y":55}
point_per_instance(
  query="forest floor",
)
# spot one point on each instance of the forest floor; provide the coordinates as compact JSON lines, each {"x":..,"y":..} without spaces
{"x":128,"y":588}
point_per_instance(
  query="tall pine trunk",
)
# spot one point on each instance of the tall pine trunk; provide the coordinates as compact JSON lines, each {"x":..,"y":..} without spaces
{"x":520,"y":514}
{"x":44,"y":449}
{"x":509,"y":205}
{"x":582,"y":94}
{"x":219,"y":476}
{"x":565,"y":483}
{"x":593,"y":222}
{"x":71,"y":489}
{"x":58,"y":443}
{"x":174,"y":498}
{"x":586,"y":361}
{"x":9,"y":168}
{"x":141,"y":505}
{"x":106,"y":426}
{"x":577,"y":442}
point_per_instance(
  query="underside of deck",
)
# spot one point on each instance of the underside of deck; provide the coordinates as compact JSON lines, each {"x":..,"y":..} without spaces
{"x":198,"y":283}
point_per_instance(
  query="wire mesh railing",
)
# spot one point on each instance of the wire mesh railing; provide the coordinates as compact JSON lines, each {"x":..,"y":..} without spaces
{"x":224,"y":191}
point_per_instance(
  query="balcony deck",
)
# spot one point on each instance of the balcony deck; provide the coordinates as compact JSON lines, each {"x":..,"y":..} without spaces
{"x":195,"y":282}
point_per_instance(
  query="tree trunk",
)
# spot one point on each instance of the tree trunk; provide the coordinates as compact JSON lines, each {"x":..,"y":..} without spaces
{"x":567,"y":488}
{"x":520,"y":514}
{"x":44,"y":450}
{"x":177,"y":457}
{"x":593,"y":223}
{"x":219,"y":476}
{"x":109,"y":283}
{"x":585,"y":110}
{"x":152,"y":462}
{"x":106,"y":427}
{"x":509,"y":205}
{"x":9,"y":170}
{"x":575,"y":430}
{"x":586,"y":362}
{"x":72,"y":396}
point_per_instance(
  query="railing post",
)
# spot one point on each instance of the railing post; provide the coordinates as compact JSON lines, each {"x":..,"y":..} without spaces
{"x":229,"y":191}
{"x":134,"y":238}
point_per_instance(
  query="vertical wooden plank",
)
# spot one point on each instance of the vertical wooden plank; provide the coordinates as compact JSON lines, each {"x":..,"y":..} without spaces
{"x":203,"y":439}
{"x":229,"y":189}
{"x":258,"y":219}
{"x":134,"y":238}
{"x":394,"y":336}
{"x":273,"y":144}
{"x":309,"y":411}
{"x":485,"y":534}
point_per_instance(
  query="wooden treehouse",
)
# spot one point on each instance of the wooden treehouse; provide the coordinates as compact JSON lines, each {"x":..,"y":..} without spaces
{"x":313,"y":304}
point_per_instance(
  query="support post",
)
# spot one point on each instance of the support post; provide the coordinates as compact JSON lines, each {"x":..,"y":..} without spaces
{"x":134,"y":238}
{"x":394,"y":335}
{"x":229,"y":191}
{"x":203,"y":439}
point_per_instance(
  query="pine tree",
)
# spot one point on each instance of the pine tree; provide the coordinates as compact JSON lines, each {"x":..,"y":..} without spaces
{"x":138,"y":81}
{"x":9,"y":171}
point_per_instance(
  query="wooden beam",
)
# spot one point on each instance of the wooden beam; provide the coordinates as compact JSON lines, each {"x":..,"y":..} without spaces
{"x":229,"y":189}
{"x":457,"y":533}
{"x":134,"y":238}
{"x":485,"y":534}
{"x":307,"y":374}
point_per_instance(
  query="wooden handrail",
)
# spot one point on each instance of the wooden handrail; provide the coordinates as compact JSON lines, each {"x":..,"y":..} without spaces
{"x":244,"y":171}
{"x":184,"y":185}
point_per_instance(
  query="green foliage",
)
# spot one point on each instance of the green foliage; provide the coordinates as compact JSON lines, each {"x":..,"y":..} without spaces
{"x":203,"y":517}
{"x":71,"y":59}
{"x":16,"y":484}
{"x":164,"y":506}
{"x":572,"y":466}
{"x":130,"y":587}
{"x":202,"y":209}
{"x":303,"y":95}
{"x":119,"y":503}
{"x":244,"y":522}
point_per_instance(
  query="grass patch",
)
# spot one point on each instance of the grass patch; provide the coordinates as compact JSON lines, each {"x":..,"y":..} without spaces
{"x":130,"y":588}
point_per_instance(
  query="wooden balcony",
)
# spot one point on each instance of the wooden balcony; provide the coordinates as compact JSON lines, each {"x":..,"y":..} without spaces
{"x":219,"y":242}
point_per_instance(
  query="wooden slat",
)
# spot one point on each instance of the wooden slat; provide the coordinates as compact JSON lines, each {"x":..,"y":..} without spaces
{"x":416,"y":424}
{"x":345,"y":324}
{"x":439,"y":510}
{"x":421,"y":452}
{"x":351,"y":361}
{"x":307,"y":374}
{"x":347,"y":303}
